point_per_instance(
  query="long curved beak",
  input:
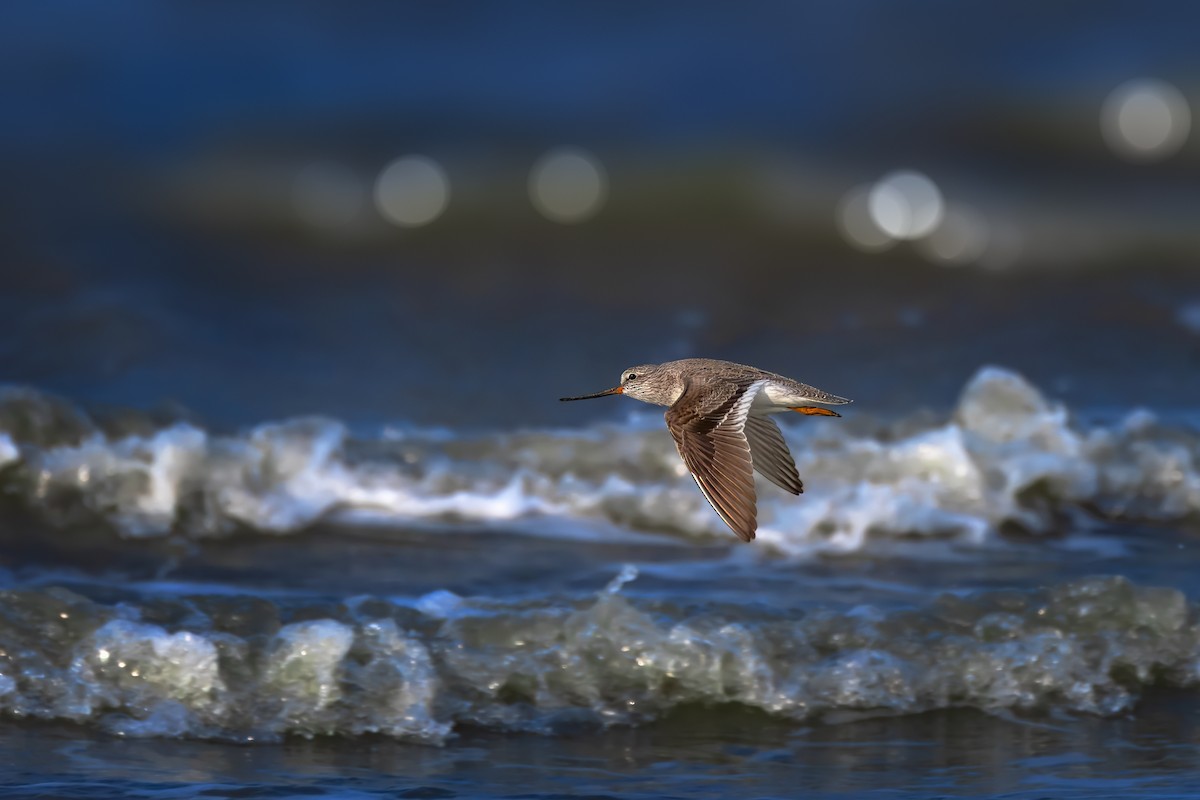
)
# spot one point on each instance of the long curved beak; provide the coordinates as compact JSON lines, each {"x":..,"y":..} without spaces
{"x":614,"y":390}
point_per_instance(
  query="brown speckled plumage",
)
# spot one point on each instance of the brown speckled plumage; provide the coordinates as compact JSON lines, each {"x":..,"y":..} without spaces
{"x":718,"y":415}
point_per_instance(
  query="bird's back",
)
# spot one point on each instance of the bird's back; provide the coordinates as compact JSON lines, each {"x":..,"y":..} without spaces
{"x":714,"y":371}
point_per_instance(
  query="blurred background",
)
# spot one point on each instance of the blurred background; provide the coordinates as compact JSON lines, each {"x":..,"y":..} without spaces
{"x":289,"y":291}
{"x":454,"y":213}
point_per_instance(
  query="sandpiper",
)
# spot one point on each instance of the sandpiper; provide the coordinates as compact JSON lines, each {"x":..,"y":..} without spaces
{"x":718,"y":413}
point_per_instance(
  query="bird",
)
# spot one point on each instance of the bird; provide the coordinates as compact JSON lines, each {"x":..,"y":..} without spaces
{"x":718,"y":412}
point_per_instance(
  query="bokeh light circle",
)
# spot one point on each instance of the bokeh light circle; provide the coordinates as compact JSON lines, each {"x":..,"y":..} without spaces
{"x":1145,"y":120}
{"x":568,"y":185}
{"x":905,"y":204}
{"x":412,"y":191}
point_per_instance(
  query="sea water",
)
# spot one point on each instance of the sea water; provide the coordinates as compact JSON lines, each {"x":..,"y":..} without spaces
{"x":995,"y":599}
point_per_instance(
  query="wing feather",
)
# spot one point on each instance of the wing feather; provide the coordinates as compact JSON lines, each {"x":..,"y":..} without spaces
{"x":713,"y":445}
{"x":770,"y":455}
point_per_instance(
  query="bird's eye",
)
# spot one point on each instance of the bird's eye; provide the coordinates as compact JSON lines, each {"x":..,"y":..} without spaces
{"x":630,"y":376}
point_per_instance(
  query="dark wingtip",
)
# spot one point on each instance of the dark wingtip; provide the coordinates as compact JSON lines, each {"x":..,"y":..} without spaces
{"x":746,"y":536}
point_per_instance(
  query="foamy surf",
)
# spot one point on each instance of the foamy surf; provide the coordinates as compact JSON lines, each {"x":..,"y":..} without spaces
{"x":249,"y":669}
{"x":1006,"y":457}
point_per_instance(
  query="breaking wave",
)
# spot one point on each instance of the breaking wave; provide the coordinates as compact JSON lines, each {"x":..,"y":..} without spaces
{"x":249,"y":669}
{"x":1005,"y":458}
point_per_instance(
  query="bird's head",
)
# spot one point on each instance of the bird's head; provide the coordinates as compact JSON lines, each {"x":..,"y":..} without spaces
{"x":643,"y":382}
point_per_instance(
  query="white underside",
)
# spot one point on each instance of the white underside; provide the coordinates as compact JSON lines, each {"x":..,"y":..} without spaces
{"x":771,"y":398}
{"x":775,"y":398}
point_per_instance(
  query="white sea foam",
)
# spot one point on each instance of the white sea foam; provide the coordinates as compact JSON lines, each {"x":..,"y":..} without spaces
{"x":1090,"y":646}
{"x":1005,"y":456}
{"x":145,"y":659}
{"x":8,"y":450}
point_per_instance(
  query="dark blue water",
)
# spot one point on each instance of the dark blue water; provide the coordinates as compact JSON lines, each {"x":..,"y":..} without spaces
{"x":292,"y":511}
{"x":955,"y":754}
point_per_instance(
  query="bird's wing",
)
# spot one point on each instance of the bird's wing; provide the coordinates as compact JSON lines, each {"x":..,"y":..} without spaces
{"x":770,"y":454}
{"x":709,"y":434}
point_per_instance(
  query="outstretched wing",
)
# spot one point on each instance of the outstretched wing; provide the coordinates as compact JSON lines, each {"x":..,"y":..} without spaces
{"x":770,"y":454}
{"x":709,"y":432}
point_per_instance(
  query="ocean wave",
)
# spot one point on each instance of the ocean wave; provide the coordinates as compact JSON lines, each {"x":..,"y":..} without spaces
{"x":249,"y":669}
{"x":1006,"y":457}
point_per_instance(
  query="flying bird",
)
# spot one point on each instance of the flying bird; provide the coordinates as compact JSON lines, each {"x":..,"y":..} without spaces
{"x":719,"y":415}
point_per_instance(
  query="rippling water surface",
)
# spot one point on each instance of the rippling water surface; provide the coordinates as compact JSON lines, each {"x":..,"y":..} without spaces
{"x":288,"y":507}
{"x":992,"y":599}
